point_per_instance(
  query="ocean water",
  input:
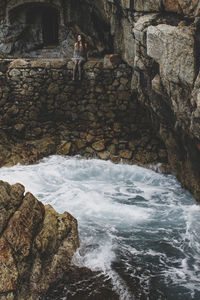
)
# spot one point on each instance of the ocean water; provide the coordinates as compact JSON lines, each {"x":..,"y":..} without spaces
{"x":136,"y":226}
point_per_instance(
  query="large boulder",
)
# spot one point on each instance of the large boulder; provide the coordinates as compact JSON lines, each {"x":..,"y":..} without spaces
{"x":36,"y":244}
{"x":173,"y":48}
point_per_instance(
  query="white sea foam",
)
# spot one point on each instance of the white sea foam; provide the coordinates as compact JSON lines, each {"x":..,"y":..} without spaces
{"x":141,"y":220}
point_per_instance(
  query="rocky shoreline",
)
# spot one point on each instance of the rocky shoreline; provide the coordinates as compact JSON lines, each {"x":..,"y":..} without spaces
{"x":142,"y":109}
{"x":36,"y":248}
{"x":36,"y":244}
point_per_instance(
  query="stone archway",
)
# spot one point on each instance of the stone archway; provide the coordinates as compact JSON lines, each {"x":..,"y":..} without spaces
{"x":31,"y":25}
{"x":36,"y":25}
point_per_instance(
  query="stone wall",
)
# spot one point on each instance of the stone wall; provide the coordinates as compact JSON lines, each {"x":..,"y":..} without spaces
{"x":98,"y":116}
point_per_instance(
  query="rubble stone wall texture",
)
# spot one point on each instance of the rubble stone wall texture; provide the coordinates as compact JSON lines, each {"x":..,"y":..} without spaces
{"x":97,"y":116}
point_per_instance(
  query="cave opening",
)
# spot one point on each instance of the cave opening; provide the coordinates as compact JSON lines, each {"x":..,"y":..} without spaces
{"x":37,"y":26}
{"x":44,"y":28}
{"x":50,"y":27}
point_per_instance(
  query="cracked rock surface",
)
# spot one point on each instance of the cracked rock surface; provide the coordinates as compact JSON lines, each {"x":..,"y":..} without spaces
{"x":36,"y":244}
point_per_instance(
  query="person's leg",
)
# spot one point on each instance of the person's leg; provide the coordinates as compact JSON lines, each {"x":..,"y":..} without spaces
{"x":74,"y":69}
{"x":79,"y":68}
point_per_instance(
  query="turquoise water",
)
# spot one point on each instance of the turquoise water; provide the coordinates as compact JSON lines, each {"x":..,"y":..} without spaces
{"x":139,"y":227}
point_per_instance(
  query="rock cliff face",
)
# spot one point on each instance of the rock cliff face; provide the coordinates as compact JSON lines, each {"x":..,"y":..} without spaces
{"x":36,"y":244}
{"x":161,"y":41}
{"x":158,"y":39}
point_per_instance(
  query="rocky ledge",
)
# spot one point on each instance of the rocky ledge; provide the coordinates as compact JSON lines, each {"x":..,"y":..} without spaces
{"x":36,"y":244}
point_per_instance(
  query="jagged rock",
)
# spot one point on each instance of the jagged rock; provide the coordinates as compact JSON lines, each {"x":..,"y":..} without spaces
{"x":103,"y":155}
{"x":111,"y":60}
{"x":173,"y":48}
{"x":64,"y":148}
{"x":165,"y":61}
{"x":36,"y":244}
{"x":82,"y":284}
{"x":127,"y":154}
{"x":195,"y":118}
{"x":115,"y":158}
{"x":99,"y":145}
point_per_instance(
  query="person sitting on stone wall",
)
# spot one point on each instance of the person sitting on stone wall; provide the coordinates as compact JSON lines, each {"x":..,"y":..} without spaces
{"x":80,"y":55}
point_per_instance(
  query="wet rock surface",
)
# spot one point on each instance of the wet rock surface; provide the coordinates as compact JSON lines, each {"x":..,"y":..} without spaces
{"x":82,"y":283}
{"x":36,"y":244}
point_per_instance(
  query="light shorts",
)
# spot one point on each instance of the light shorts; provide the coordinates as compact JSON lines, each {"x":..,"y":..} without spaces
{"x":77,"y":57}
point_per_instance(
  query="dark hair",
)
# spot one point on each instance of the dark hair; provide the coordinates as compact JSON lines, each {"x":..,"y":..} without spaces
{"x":82,"y":40}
